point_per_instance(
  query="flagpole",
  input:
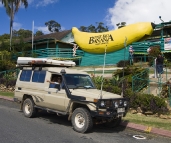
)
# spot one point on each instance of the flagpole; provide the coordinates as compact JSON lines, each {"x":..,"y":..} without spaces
{"x":32,"y":35}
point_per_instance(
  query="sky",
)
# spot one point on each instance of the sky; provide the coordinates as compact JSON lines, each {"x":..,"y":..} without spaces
{"x":76,"y":13}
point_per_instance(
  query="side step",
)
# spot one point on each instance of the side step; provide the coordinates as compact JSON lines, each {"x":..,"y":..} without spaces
{"x":51,"y":110}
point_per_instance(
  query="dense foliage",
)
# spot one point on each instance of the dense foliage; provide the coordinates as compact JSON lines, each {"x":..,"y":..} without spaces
{"x":95,"y":29}
{"x":117,"y":84}
{"x":123,"y":63}
{"x":153,"y":53}
{"x":9,"y":78}
{"x":53,"y":26}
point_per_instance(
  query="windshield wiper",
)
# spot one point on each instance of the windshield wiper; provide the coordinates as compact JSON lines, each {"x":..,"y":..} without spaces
{"x":88,"y":86}
{"x":82,"y":86}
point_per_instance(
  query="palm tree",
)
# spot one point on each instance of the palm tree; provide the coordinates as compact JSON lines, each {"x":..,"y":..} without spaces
{"x":12,"y":7}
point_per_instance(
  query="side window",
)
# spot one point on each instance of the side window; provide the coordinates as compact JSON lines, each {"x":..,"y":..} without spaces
{"x":39,"y":76}
{"x":25,"y":75}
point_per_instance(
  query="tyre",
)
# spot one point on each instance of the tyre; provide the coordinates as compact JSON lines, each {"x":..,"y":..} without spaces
{"x":28,"y":108}
{"x":81,"y":120}
{"x":113,"y":123}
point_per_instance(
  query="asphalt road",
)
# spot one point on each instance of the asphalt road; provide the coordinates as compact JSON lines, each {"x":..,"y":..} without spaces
{"x":50,"y":128}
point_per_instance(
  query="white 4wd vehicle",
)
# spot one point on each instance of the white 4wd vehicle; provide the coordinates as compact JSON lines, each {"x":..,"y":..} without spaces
{"x":76,"y":96}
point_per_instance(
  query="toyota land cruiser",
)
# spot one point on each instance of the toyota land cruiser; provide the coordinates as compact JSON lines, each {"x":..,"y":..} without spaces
{"x":76,"y":97}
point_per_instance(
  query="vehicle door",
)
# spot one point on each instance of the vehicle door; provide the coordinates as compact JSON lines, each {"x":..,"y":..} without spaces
{"x":55,"y":95}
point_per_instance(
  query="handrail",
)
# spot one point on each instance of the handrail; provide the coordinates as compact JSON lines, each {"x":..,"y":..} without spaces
{"x":53,"y":52}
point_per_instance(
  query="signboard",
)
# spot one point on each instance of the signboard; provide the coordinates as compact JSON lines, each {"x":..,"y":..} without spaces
{"x":167,"y":44}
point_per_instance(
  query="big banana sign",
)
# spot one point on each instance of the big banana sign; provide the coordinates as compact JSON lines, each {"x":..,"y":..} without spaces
{"x":114,"y":40}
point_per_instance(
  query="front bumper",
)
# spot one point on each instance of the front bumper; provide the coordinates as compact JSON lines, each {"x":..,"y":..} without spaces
{"x":108,"y":113}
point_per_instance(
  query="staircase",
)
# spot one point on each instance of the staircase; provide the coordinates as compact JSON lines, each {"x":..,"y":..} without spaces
{"x":155,"y":84}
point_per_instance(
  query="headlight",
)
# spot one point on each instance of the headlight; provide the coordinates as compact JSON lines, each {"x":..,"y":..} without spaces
{"x":115,"y":104}
{"x":120,"y":102}
{"x":102,"y":103}
{"x":125,"y":103}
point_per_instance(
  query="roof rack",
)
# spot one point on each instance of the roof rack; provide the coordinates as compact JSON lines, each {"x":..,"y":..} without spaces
{"x":29,"y":61}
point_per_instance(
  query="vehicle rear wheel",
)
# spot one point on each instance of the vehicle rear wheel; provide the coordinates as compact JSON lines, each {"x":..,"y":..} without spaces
{"x":81,"y":120}
{"x":113,"y":123}
{"x":28,"y":108}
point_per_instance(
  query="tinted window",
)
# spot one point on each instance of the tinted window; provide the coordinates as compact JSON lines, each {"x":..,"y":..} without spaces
{"x":25,"y":75}
{"x":39,"y":76}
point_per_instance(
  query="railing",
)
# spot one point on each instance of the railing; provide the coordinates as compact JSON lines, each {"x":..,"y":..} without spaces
{"x":10,"y":73}
{"x":51,"y":52}
{"x":146,"y":82}
{"x":57,"y":52}
{"x":140,"y":80}
{"x":141,"y":47}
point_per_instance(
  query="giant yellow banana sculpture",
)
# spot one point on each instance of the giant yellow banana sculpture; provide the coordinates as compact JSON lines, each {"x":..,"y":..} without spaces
{"x":112,"y":40}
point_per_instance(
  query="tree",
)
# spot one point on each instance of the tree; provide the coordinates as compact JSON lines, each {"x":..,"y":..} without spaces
{"x":5,"y":36}
{"x":92,"y":28}
{"x":24,"y":33}
{"x":53,"y":26}
{"x":95,"y":29}
{"x":83,"y":28}
{"x":12,"y":7}
{"x":101,"y":27}
{"x":39,"y":33}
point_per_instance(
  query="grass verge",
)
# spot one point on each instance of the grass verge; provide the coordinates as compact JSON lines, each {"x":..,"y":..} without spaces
{"x":9,"y":94}
{"x":149,"y":121}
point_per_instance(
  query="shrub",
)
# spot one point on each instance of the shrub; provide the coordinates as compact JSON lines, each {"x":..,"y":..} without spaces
{"x":166,"y":88}
{"x":147,"y":102}
{"x":153,"y":54}
{"x":6,"y":65}
{"x":11,"y":82}
{"x":123,"y":63}
{"x":7,"y":82}
{"x":2,"y":81}
{"x":116,"y":90}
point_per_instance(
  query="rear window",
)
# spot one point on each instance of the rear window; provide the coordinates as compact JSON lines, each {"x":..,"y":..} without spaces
{"x":25,"y":75}
{"x":39,"y":76}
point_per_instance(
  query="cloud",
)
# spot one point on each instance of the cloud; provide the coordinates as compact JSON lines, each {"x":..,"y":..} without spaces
{"x":17,"y":26}
{"x":44,"y":29}
{"x":45,"y":2}
{"x":63,"y":28}
{"x":132,"y":11}
{"x":37,"y":3}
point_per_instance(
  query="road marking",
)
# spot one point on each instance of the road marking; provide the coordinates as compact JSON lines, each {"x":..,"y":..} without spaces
{"x":139,"y":137}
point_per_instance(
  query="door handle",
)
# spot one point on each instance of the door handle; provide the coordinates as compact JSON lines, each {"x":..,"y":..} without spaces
{"x":19,"y":88}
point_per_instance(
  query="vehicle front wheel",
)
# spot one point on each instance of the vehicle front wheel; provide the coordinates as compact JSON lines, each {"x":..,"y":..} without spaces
{"x":28,"y":108}
{"x":81,"y":120}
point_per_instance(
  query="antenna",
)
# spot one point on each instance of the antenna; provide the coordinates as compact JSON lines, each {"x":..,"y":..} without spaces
{"x":160,"y":18}
{"x":103,"y":72}
{"x":121,"y":24}
{"x":125,"y":44}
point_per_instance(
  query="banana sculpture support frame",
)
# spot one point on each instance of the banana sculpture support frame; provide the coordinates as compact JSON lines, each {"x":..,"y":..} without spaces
{"x":114,"y":40}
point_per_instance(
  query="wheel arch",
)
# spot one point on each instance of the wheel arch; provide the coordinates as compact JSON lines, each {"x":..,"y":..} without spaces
{"x":25,"y":96}
{"x":75,"y":105}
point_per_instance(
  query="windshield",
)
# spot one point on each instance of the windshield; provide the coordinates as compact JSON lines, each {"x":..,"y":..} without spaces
{"x":74,"y":81}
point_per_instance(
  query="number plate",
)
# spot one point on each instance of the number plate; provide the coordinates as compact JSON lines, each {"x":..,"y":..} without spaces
{"x":120,"y":110}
